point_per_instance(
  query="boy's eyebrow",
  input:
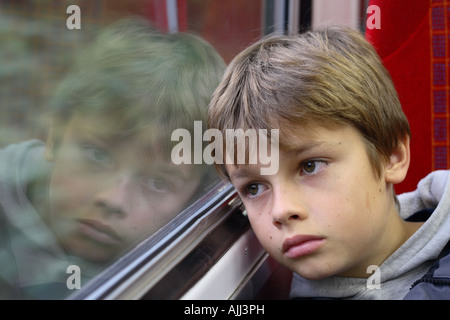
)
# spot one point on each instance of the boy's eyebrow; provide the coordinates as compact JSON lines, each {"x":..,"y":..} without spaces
{"x":240,"y":172}
{"x":244,"y":170}
{"x":150,"y":152}
{"x":174,"y":172}
{"x":309,"y":146}
{"x":101,"y":136}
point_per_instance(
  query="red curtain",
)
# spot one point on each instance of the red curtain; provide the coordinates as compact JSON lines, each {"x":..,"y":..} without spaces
{"x":413,"y":41}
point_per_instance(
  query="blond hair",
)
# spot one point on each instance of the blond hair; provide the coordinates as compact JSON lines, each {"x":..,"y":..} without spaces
{"x":140,"y":78}
{"x":332,"y":76}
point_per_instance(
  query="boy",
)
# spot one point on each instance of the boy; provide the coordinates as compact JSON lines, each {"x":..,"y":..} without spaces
{"x":330,"y":213}
{"x":104,"y":181}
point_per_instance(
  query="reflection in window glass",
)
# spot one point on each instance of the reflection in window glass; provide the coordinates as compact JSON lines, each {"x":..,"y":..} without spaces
{"x":87,"y":110}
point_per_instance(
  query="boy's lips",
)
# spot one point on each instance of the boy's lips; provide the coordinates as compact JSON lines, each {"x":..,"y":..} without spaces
{"x":98,"y":231}
{"x":301,"y":245}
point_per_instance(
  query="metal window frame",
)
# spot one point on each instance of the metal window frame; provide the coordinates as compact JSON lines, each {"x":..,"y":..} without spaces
{"x":286,"y":16}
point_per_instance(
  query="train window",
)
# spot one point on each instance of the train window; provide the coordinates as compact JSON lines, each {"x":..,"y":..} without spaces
{"x":93,"y":204}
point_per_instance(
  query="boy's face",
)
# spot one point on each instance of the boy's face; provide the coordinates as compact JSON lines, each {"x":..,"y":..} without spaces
{"x":324,"y":213}
{"x":106,"y":194}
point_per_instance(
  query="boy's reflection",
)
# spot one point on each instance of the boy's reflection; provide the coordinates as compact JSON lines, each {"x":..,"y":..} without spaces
{"x":104,"y":180}
{"x":107,"y":192}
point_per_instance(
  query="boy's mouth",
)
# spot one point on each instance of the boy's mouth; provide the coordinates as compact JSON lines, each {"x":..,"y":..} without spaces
{"x":99,"y":232}
{"x":301,"y":245}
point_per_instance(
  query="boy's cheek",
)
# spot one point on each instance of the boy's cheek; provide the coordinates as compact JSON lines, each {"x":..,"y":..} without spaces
{"x":261,"y":225}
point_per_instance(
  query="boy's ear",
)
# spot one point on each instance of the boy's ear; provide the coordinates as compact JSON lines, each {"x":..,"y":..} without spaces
{"x":397,"y":167}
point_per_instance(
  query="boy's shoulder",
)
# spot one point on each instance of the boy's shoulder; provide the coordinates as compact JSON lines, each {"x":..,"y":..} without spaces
{"x":22,"y":161}
{"x":433,"y":194}
{"x":19,"y":149}
{"x":435,"y":284}
{"x":431,"y":191}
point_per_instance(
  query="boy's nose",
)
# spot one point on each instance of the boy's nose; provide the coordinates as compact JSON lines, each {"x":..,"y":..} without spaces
{"x":116,"y":198}
{"x":287,"y":207}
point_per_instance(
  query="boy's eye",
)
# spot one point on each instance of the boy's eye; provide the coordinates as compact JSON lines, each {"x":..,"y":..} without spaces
{"x":310,"y":167}
{"x":97,"y":155}
{"x":158,"y":184}
{"x":253,"y":190}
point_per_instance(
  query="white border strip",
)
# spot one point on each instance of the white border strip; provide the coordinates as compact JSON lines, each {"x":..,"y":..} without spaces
{"x":172,"y":15}
{"x":329,"y":12}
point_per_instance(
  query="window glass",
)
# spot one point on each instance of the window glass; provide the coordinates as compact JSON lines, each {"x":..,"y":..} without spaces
{"x":92,"y":91}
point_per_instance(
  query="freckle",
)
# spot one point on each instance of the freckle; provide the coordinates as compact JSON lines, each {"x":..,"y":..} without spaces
{"x":379,"y":190}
